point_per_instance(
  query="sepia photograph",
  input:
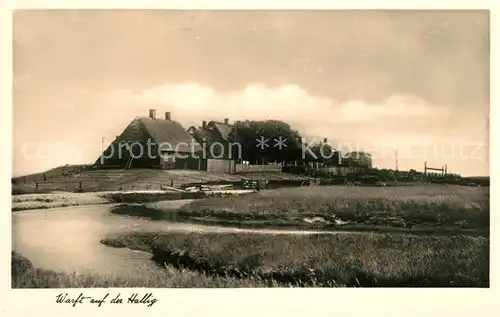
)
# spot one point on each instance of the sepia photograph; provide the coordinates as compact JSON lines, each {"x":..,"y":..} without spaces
{"x":249,"y":149}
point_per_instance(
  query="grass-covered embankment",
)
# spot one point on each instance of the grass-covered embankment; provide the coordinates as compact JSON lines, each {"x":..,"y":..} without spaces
{"x":322,"y":259}
{"x":424,"y":209}
{"x":17,"y":189}
{"x":24,"y":275}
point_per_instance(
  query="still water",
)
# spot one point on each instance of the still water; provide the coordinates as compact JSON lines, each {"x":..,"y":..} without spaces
{"x":67,"y":239}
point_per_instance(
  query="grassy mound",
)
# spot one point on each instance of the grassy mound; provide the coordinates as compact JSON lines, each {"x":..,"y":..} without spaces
{"x":20,"y":189}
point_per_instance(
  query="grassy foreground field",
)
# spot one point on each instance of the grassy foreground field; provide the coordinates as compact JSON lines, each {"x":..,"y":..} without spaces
{"x":428,"y":208}
{"x":322,"y":259}
{"x":24,"y":275}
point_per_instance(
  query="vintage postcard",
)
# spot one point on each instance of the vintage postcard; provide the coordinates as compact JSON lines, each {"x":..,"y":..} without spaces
{"x":315,"y":149}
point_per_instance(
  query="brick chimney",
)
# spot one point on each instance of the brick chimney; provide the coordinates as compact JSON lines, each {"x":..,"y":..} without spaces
{"x":325,"y":140}
{"x":152,"y":113}
{"x":168,"y":116}
{"x":204,"y":124}
{"x":226,"y":120}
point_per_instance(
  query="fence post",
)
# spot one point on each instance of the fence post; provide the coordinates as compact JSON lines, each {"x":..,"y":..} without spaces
{"x":36,"y":185}
{"x":80,"y":184}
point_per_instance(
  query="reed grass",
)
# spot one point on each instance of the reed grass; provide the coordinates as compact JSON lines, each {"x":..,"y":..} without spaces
{"x":340,"y":259}
{"x":24,"y":275}
{"x":431,"y":208}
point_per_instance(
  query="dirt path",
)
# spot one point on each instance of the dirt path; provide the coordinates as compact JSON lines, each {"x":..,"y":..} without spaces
{"x":67,"y":199}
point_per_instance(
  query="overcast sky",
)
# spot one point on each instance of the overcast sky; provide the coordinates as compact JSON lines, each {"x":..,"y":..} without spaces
{"x":379,"y":80}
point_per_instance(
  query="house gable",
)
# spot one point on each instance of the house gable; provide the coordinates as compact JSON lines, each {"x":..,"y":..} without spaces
{"x":117,"y":153}
{"x":156,"y":134}
{"x":223,"y":129}
{"x":212,"y":143}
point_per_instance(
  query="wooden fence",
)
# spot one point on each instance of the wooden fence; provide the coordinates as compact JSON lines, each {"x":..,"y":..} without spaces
{"x":246,"y":168}
{"x":85,"y":186}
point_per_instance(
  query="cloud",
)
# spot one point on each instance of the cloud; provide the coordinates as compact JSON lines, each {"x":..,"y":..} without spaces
{"x":191,"y":101}
{"x":399,"y":121}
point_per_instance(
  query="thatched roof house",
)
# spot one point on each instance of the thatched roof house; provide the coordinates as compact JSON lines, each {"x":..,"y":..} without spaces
{"x":214,"y":136}
{"x":224,"y":129}
{"x":162,"y":136}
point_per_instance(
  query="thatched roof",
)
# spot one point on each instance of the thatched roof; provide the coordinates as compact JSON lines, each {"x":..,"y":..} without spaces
{"x":224,"y":129}
{"x":165,"y":136}
{"x":207,"y":137}
{"x":170,"y":133}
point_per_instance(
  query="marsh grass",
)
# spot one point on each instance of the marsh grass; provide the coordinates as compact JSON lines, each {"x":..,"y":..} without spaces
{"x":444,"y":206}
{"x":322,"y":260}
{"x":262,"y":260}
{"x":24,"y":275}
